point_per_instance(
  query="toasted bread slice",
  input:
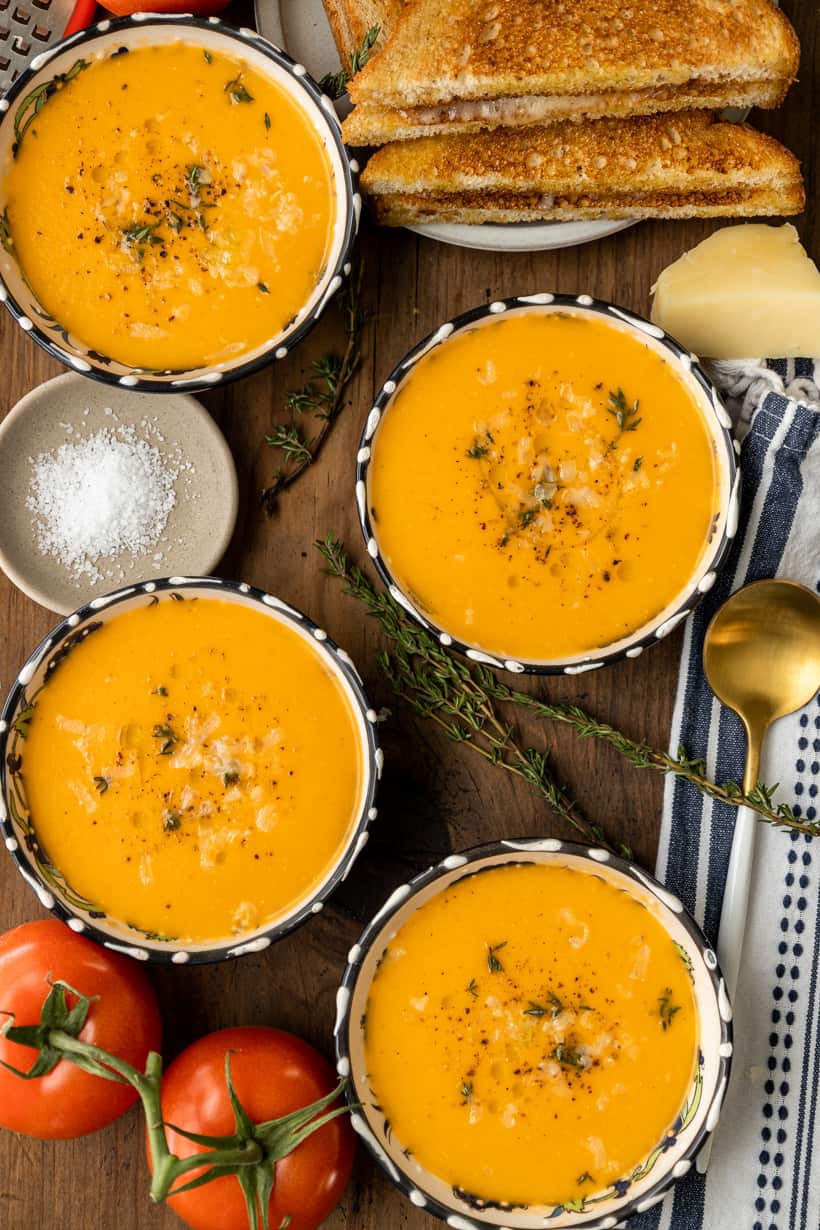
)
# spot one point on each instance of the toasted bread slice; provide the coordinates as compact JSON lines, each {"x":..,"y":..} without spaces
{"x":498,"y":207}
{"x":442,"y":50}
{"x":687,"y":164}
{"x":371,"y":124}
{"x":350,"y":21}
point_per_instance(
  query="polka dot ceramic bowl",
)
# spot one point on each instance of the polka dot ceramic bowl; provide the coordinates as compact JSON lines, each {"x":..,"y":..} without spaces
{"x":144,"y":30}
{"x":671,"y":1158}
{"x":721,"y":531}
{"x":18,"y":831}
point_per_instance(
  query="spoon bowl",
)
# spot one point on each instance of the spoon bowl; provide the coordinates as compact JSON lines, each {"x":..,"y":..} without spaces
{"x":762,"y":657}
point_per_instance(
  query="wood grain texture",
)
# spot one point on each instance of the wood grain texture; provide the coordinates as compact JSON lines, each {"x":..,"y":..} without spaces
{"x":436,"y":796}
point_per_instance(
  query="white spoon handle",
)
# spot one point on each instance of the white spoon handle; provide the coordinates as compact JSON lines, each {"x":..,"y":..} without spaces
{"x":733,"y":918}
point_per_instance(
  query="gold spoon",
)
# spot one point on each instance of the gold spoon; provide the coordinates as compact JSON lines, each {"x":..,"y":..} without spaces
{"x":761,"y":655}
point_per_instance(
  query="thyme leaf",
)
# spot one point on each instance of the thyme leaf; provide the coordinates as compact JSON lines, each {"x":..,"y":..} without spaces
{"x":666,"y":1009}
{"x":493,"y":963}
{"x":472,"y":988}
{"x":466,"y":1092}
{"x":238,"y":91}
{"x":624,"y":414}
{"x":169,"y":739}
{"x":102,"y":784}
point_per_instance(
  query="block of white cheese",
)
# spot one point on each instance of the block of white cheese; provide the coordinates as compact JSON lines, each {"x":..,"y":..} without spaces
{"x":746,"y":292}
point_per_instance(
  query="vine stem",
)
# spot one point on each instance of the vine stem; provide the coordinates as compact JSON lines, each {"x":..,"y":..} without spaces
{"x":438,"y":685}
{"x":165,"y":1165}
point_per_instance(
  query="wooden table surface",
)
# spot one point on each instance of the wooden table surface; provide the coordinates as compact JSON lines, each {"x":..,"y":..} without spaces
{"x":436,"y":796}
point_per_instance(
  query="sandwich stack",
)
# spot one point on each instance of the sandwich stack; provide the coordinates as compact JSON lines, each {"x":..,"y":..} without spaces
{"x":551,"y":110}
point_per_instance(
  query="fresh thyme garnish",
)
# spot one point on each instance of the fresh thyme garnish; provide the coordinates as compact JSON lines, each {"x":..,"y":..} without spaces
{"x":265,"y":289}
{"x":139,"y":235}
{"x":526,"y":517}
{"x":322,"y":398}
{"x":171,"y":821}
{"x":477,"y":451}
{"x":466,"y":1092}
{"x":169,"y":739}
{"x":36,"y":99}
{"x":193,"y":180}
{"x":586,"y":1177}
{"x":160,"y":691}
{"x":230,"y":777}
{"x":569,"y":1057}
{"x":624,"y":414}
{"x":637,"y":464}
{"x":102,"y":784}
{"x":555,"y":1006}
{"x":335,"y":84}
{"x":493,"y":963}
{"x":462,"y":698}
{"x":666,"y":1008}
{"x":472,"y":988}
{"x":209,"y":58}
{"x":237,"y":91}
{"x":267,"y":120}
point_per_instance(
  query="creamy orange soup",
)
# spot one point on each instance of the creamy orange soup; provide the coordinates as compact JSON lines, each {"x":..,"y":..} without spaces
{"x":531,"y":1034}
{"x":543,"y":484}
{"x":193,"y":768}
{"x":170,"y":206}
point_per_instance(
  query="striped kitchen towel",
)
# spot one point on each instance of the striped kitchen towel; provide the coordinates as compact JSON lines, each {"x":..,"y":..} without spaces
{"x":764,"y":1173}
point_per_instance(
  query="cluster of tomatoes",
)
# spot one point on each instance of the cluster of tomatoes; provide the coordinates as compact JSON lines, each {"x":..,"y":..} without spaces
{"x":273,"y":1073}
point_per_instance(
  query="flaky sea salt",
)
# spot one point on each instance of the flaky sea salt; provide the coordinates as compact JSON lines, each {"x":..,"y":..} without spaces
{"x":103,"y":497}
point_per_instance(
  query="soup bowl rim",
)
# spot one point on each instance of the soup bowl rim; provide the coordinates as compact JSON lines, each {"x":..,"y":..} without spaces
{"x":319,"y":112}
{"x":688,"y":596}
{"x":543,"y":851}
{"x":144,"y":946}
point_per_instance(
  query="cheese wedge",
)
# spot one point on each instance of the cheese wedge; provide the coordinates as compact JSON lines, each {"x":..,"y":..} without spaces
{"x":747,"y":291}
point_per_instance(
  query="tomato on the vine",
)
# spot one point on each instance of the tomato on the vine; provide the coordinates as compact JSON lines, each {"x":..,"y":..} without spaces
{"x":124,"y":1020}
{"x":273,"y":1073}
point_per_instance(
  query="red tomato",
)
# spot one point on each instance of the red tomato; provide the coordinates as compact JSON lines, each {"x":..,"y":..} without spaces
{"x":273,"y":1074}
{"x":199,"y":8}
{"x":124,"y":1021}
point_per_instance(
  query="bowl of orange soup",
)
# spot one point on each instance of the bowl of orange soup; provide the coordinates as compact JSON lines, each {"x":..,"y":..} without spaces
{"x":535,"y":1034}
{"x":176,"y":204}
{"x":548,"y":483}
{"x":188,"y":769}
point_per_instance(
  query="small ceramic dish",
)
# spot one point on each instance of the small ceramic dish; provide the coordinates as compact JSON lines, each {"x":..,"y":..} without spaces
{"x":719,"y":426}
{"x":18,"y":830}
{"x":145,"y":30}
{"x":669,"y":1160}
{"x":70,"y":409}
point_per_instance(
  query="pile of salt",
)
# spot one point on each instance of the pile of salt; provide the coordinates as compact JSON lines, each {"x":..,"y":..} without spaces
{"x":108,"y":495}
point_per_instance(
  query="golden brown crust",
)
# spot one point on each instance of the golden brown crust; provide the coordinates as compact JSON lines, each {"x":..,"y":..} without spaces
{"x":350,"y":21}
{"x":444,"y":49}
{"x":662,"y":153}
{"x":371,"y":124}
{"x":476,"y":208}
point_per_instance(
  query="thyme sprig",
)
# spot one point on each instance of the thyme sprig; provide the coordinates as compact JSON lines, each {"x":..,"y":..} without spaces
{"x":453,"y":693}
{"x":322,"y":399}
{"x":335,"y":84}
{"x":666,"y":1009}
{"x":626,"y":416}
{"x":463,"y":697}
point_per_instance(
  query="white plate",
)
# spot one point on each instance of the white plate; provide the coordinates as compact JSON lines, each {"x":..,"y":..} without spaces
{"x":300,"y":28}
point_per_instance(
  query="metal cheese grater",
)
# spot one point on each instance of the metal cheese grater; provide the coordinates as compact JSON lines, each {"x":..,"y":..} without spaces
{"x":27,"y":27}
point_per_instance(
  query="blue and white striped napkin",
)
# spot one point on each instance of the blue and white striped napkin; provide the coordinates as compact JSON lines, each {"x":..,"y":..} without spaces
{"x":764,"y":1172}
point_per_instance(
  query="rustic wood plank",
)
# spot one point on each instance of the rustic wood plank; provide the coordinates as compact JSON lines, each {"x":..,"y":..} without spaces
{"x":435,"y":797}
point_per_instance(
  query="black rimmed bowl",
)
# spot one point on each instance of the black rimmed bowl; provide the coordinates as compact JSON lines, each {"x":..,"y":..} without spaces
{"x":148,"y":29}
{"x":668,"y":1161}
{"x":718,"y":423}
{"x":18,"y":829}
